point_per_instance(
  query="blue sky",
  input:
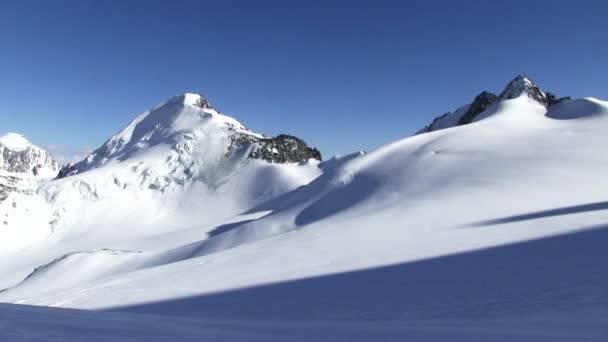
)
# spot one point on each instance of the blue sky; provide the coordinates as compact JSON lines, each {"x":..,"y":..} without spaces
{"x":343,"y":75}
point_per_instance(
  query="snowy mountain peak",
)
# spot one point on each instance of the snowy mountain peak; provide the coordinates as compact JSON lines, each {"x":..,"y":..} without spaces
{"x":18,"y":155}
{"x":188,"y":99}
{"x":485,"y":102}
{"x":197,"y":100}
{"x":521,"y":85}
{"x":15,"y":141}
{"x":185,"y":138}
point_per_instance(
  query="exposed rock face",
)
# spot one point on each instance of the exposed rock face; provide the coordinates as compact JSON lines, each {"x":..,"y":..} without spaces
{"x":12,"y":184}
{"x":203,"y":103}
{"x":25,"y":158}
{"x":28,"y":161}
{"x":481,"y":102}
{"x":519,"y":86}
{"x":65,"y":171}
{"x":553,"y":100}
{"x":23,"y":166}
{"x":431,"y":127}
{"x":284,"y":149}
{"x":523,"y":85}
{"x":280,"y":149}
{"x":199,"y":138}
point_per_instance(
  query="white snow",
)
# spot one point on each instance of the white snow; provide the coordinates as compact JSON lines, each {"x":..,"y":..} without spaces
{"x":14,"y":141}
{"x":447,"y":120}
{"x":491,"y":231}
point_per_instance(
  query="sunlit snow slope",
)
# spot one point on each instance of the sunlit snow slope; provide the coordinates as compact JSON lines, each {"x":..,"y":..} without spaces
{"x":23,"y":167}
{"x":493,"y":230}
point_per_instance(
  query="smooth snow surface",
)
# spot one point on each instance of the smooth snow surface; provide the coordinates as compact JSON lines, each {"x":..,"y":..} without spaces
{"x":14,"y":141}
{"x":492,"y":231}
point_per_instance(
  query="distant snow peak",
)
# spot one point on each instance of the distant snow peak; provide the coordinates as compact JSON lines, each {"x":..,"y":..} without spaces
{"x":14,"y":141}
{"x":18,"y":155}
{"x":521,"y":85}
{"x":184,"y":139}
{"x":196,"y":100}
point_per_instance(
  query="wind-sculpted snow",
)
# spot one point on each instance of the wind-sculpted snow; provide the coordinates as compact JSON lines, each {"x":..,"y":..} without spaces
{"x":385,"y":199}
{"x":579,"y":108}
{"x":484,"y":231}
{"x":520,"y":86}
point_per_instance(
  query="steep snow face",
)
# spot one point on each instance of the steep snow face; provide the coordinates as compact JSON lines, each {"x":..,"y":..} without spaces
{"x":23,"y":214}
{"x":174,"y":173}
{"x":191,"y":134}
{"x":185,"y":138}
{"x":14,"y":141}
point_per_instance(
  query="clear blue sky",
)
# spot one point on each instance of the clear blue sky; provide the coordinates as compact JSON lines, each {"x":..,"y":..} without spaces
{"x":343,"y":75}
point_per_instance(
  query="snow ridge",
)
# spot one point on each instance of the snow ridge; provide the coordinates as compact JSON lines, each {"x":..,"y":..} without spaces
{"x":221,"y":226}
{"x":522,"y":85}
{"x":486,"y":102}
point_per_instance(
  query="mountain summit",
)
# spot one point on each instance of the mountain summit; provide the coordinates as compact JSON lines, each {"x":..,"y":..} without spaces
{"x":186,"y":213}
{"x":197,"y":137}
{"x":19,"y":156}
{"x":520,"y":86}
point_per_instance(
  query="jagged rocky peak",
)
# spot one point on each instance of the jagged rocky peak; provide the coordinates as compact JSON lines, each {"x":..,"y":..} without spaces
{"x":187,"y":132}
{"x":284,"y":148}
{"x":521,"y":85}
{"x":481,"y":102}
{"x":197,"y":100}
{"x":18,"y":155}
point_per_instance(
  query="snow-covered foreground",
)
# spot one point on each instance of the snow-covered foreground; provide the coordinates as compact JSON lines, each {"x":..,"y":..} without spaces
{"x":491,"y":231}
{"x":552,"y":289}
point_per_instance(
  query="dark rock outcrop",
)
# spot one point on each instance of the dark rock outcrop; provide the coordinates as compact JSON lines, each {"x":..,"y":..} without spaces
{"x":430,"y":127}
{"x":523,"y":85}
{"x":481,"y":102}
{"x":519,"y":86}
{"x":281,"y":149}
{"x":284,"y":149}
{"x":64,"y":171}
{"x":28,"y":161}
{"x":553,"y":100}
{"x":203,"y":103}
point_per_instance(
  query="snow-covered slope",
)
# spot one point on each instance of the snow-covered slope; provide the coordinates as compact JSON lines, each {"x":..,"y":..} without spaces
{"x":174,"y":174}
{"x":486,"y":101}
{"x":23,"y":167}
{"x":491,"y":230}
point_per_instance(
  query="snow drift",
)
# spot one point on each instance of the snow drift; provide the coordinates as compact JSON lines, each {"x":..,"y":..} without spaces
{"x":175,"y":215}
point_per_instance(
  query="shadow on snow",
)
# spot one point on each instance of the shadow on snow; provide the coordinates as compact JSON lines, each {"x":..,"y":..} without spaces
{"x":556,"y":284}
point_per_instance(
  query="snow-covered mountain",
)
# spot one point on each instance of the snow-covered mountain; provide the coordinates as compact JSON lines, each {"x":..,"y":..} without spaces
{"x":520,"y":85}
{"x":490,"y":226}
{"x":179,"y":166}
{"x":192,"y":136}
{"x":23,"y":167}
{"x":19,"y":156}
